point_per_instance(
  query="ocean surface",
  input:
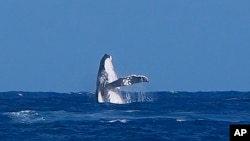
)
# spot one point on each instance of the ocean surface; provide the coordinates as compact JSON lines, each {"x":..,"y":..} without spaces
{"x":170,"y":116}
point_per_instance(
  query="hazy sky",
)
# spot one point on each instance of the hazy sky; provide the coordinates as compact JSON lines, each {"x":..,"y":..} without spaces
{"x":181,"y":45}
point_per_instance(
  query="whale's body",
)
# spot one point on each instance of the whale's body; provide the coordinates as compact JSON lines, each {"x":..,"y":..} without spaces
{"x":108,"y":84}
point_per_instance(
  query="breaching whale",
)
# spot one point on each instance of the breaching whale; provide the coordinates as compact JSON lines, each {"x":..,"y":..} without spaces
{"x":108,"y":85}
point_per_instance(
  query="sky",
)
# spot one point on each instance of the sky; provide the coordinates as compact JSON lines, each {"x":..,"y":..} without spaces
{"x":180,"y":45}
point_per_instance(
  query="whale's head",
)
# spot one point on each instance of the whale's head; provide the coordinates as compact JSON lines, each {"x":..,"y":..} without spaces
{"x":106,"y":66}
{"x":106,"y":63}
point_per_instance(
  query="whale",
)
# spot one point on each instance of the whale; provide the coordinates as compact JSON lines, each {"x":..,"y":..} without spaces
{"x":108,"y":84}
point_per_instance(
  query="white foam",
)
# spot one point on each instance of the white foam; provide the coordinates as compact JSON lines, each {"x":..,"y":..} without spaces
{"x":118,"y":120}
{"x":20,"y":94}
{"x":25,"y":116}
{"x":131,"y":111}
{"x":180,"y":119}
{"x":111,"y":121}
{"x":123,"y":121}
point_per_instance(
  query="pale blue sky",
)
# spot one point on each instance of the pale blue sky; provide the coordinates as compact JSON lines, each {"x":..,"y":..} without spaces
{"x":181,"y":45}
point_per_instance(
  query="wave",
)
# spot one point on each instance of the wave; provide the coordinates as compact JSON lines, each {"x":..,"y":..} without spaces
{"x":114,"y":116}
{"x":25,"y":116}
{"x":44,"y":107}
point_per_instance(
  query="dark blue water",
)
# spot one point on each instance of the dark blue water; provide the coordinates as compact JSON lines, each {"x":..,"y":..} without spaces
{"x":173,"y":116}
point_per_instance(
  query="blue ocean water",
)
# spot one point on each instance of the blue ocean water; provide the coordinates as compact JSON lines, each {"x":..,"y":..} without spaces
{"x":173,"y":116}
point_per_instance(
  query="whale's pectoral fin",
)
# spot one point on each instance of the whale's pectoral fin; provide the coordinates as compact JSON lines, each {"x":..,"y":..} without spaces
{"x":126,"y":81}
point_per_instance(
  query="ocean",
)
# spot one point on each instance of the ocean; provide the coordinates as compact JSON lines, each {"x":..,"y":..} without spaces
{"x":170,"y":116}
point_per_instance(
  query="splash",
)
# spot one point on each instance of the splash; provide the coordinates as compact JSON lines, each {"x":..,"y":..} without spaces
{"x":25,"y":116}
{"x":131,"y":97}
